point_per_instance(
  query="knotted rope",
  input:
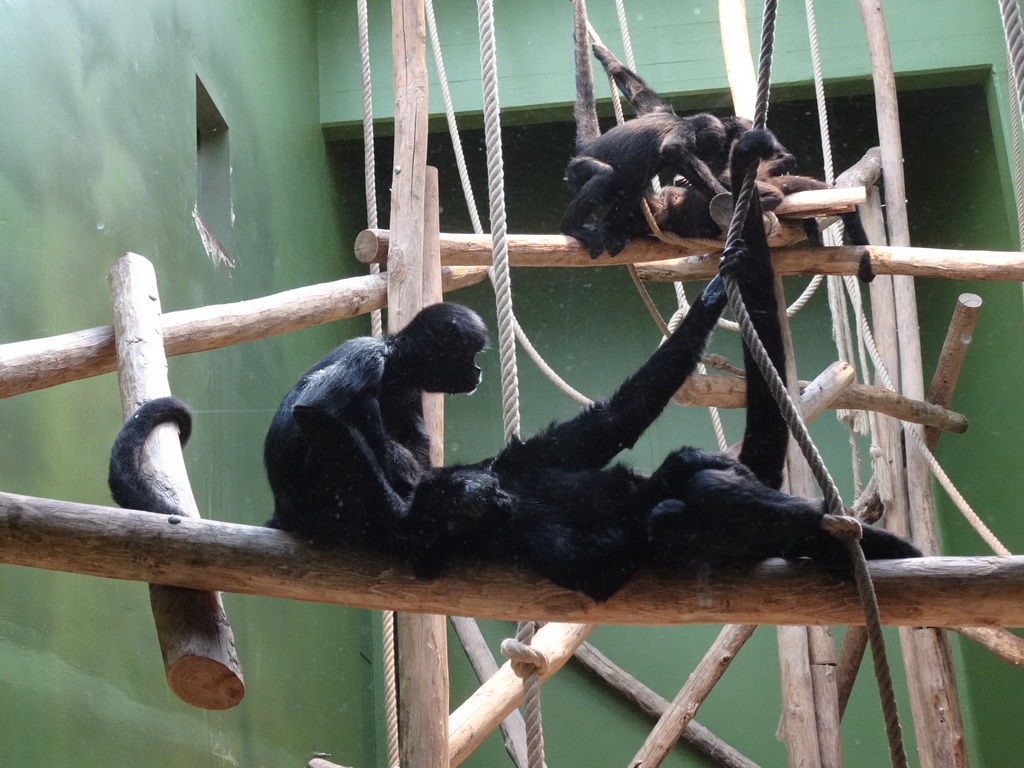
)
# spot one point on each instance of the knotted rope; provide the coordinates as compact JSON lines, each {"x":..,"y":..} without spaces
{"x":845,"y":528}
{"x":530,"y":665}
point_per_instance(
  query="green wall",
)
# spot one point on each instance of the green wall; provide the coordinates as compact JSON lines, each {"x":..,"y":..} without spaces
{"x":97,"y":113}
{"x":98,"y":157}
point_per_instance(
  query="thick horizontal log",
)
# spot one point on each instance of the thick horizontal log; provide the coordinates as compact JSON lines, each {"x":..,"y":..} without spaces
{"x":844,"y":260}
{"x":206,"y":554}
{"x":371,"y":247}
{"x":662,"y":262}
{"x":26,"y":366}
{"x":731,"y":392}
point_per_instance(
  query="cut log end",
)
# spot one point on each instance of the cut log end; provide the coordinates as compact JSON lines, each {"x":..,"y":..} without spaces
{"x":205,"y":683}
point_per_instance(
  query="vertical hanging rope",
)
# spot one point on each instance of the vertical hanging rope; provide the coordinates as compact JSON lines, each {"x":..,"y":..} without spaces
{"x":854,"y":420}
{"x":846,"y":528}
{"x":377,"y":328}
{"x":496,"y":193}
{"x":506,"y":337}
{"x":369,"y":158}
{"x":1018,"y":181}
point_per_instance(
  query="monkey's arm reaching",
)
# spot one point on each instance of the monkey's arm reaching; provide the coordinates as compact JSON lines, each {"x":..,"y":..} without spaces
{"x":602,"y":430}
{"x":766,"y":434}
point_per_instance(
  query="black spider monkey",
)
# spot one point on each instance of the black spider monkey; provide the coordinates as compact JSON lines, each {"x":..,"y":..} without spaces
{"x":348,"y":443}
{"x":614,"y":169}
{"x":682,"y":208}
{"x":347,"y":459}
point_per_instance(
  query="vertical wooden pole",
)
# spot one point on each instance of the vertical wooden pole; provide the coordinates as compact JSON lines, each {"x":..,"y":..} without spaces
{"x":927,"y":655}
{"x":810,"y":720}
{"x":195,"y":637}
{"x":422,"y":640}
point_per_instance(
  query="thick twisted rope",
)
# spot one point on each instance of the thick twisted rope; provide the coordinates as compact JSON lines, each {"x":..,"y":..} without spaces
{"x":506,"y":335}
{"x":846,"y":528}
{"x":377,"y":328}
{"x":499,"y":233}
{"x":529,"y":664}
{"x":369,"y":159}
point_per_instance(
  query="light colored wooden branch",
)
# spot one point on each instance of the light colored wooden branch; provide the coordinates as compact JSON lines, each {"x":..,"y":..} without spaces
{"x":864,"y":173}
{"x":492,"y":702}
{"x":248,"y":559}
{"x":26,"y":366}
{"x":319,"y":762}
{"x":731,"y":392}
{"x":661,"y":262}
{"x":371,"y":246}
{"x":844,"y":260}
{"x":951,"y":358}
{"x":513,"y":727}
{"x":684,"y":707}
{"x":654,"y":705}
{"x":196,"y":641}
{"x":1001,"y":643}
{"x":820,"y":202}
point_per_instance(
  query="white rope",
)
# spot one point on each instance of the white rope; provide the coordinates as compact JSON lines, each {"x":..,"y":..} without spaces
{"x":470,"y":198}
{"x":914,"y":431}
{"x":506,"y":335}
{"x":377,"y":328}
{"x":369,"y":160}
{"x":499,"y":271}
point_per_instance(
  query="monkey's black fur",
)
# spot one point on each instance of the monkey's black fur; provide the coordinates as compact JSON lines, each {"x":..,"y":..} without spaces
{"x":347,"y":459}
{"x":347,"y":446}
{"x":682,"y":208}
{"x":614,"y":169}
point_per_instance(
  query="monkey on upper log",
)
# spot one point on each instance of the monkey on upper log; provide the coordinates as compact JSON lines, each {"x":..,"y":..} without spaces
{"x":614,"y":169}
{"x":682,"y":208}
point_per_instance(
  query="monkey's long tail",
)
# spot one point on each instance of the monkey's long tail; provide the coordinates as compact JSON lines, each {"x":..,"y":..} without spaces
{"x":129,"y":487}
{"x":585,"y":111}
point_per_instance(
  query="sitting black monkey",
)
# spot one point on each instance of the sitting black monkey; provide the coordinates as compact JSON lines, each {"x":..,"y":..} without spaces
{"x":348,"y":445}
{"x":614,"y":169}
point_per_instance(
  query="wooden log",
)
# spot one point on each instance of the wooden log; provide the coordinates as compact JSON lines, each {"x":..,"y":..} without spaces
{"x":864,"y":173}
{"x":422,"y":646}
{"x":26,"y":366}
{"x":731,"y":392}
{"x":196,"y":642}
{"x":684,"y":707}
{"x":819,"y":395}
{"x":513,"y":727}
{"x":951,"y":358}
{"x":844,"y":260}
{"x":249,"y":559}
{"x":371,"y":247}
{"x":492,"y":702}
{"x":654,"y":705}
{"x":820,"y":202}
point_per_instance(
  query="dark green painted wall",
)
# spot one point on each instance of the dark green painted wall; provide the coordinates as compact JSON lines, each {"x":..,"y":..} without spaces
{"x":98,"y":157}
{"x":97,"y":112}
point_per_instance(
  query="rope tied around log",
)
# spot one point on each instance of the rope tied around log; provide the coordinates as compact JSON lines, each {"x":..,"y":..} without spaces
{"x":525,"y":658}
{"x":530,"y":665}
{"x":831,"y":521}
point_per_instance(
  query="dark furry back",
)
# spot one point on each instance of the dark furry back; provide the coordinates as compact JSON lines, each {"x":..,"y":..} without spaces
{"x":129,"y":487}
